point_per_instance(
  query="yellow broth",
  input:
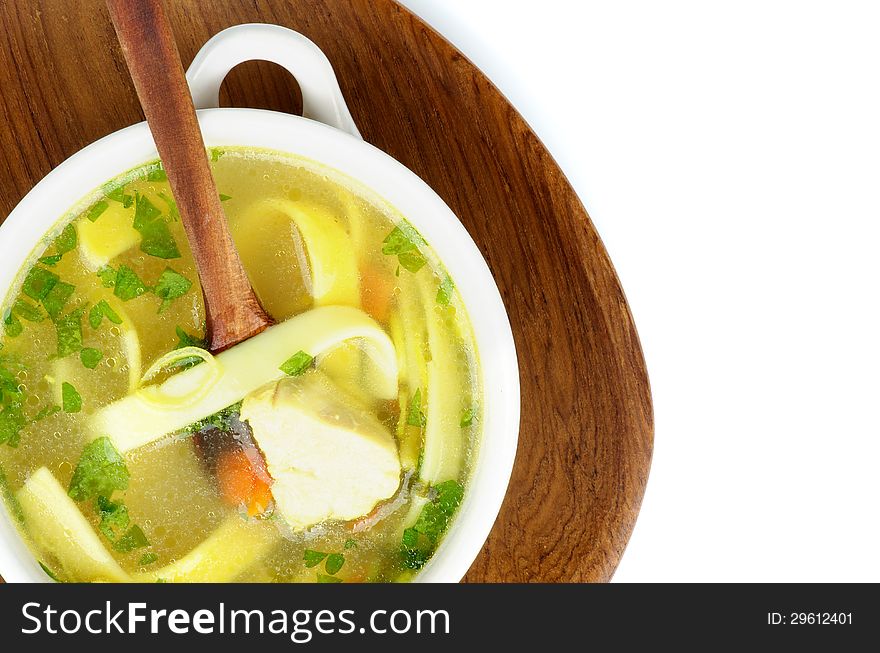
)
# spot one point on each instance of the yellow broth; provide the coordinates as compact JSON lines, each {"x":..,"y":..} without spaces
{"x":53,"y":379}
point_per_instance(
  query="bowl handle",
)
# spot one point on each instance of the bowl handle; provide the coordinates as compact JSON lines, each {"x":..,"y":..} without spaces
{"x":322,"y":98}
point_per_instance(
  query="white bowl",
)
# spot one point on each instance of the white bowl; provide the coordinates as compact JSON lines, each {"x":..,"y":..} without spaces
{"x":328,"y":136}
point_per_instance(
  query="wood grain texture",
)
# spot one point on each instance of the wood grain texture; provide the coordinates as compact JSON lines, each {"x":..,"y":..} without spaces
{"x":587,"y":423}
{"x":232,"y":312}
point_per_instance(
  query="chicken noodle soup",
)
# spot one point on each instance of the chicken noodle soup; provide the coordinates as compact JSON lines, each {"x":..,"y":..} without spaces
{"x":333,"y":447}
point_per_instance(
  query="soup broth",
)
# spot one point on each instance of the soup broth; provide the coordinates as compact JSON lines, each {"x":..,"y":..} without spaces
{"x":334,"y":447}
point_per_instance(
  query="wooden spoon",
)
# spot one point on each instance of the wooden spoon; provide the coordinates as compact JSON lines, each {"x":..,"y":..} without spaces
{"x":233,"y":313}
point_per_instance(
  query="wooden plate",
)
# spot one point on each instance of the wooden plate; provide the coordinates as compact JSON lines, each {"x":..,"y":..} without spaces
{"x":587,"y":424}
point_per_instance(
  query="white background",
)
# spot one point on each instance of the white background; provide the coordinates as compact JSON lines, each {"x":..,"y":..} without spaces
{"x":729,"y":155}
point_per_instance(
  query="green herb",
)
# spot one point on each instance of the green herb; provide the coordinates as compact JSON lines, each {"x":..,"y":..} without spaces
{"x":157,"y":173}
{"x":39,"y":282}
{"x":69,"y":331}
{"x":114,"y":517}
{"x":100,"y":311}
{"x":170,"y":286}
{"x":225,"y":198}
{"x":420,"y":540}
{"x":161,"y":580}
{"x":12,"y":325}
{"x":133,"y":539}
{"x":27,"y":311}
{"x":186,"y":340}
{"x":50,"y":260}
{"x":11,"y":500}
{"x":334,"y":563}
{"x":8,"y":383}
{"x":156,"y":238}
{"x":12,"y":421}
{"x":99,"y":472}
{"x":323,"y":578}
{"x":404,"y":242}
{"x":415,"y":558}
{"x":57,"y":298}
{"x":47,"y":411}
{"x":49,"y":572}
{"x":118,"y":194}
{"x":467,"y":418}
{"x":445,"y":290}
{"x":97,"y":210}
{"x":410,"y":537}
{"x":128,"y":284}
{"x":115,"y":194}
{"x":313,"y":558}
{"x":349,"y":544}
{"x":71,"y":400}
{"x":148,"y":559}
{"x":173,"y":213}
{"x":107,"y":275}
{"x":216,"y":153}
{"x":90,"y":357}
{"x":296,"y":364}
{"x":414,"y":414}
{"x":221,"y":420}
{"x":66,"y":241}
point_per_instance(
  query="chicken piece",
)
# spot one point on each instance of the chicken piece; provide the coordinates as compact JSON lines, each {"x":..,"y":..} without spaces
{"x":329,"y":458}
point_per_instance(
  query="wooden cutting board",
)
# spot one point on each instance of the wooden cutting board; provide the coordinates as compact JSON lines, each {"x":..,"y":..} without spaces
{"x":587,"y":424}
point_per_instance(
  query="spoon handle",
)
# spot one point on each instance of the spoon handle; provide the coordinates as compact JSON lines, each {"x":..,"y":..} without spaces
{"x":232,"y":310}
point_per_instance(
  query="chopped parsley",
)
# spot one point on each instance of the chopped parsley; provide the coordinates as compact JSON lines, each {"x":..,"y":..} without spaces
{"x":445,"y":290}
{"x":186,"y":340}
{"x":118,"y":194}
{"x":114,"y":518}
{"x":12,"y":421}
{"x":47,"y":411}
{"x":170,"y":286}
{"x":50,"y":260}
{"x":107,"y":275}
{"x":225,"y":198}
{"x":414,"y":414}
{"x":71,"y":401}
{"x":297,"y":364}
{"x":69,"y":331}
{"x":99,"y":472}
{"x":420,"y":540}
{"x":49,"y":572}
{"x":90,"y":357}
{"x":128,"y":284}
{"x":39,"y":282}
{"x":334,"y":563}
{"x":156,"y":238}
{"x":216,"y":153}
{"x":157,"y":173}
{"x":404,"y":242}
{"x":349,"y":544}
{"x":221,"y":420}
{"x":12,"y":325}
{"x":324,"y":578}
{"x":467,"y":417}
{"x":100,"y":311}
{"x":148,"y":559}
{"x":97,"y":210}
{"x":66,"y":240}
{"x":57,"y":298}
{"x":133,"y":539}
{"x":313,"y":558}
{"x":27,"y":311}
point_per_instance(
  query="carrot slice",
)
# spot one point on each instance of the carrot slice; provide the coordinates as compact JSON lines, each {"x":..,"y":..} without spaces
{"x":241,"y":484}
{"x":376,"y":292}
